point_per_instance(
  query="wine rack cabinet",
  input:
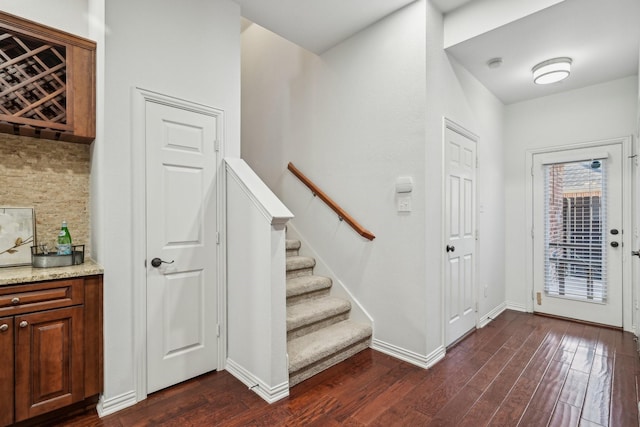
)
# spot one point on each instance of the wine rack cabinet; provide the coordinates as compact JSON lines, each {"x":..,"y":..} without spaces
{"x":47,"y":82}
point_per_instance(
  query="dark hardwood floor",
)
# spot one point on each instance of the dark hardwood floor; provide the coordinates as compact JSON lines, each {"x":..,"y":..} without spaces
{"x":520,"y":370}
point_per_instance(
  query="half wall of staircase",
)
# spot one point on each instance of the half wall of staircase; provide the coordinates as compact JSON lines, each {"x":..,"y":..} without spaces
{"x":255,"y":245}
{"x":285,"y":322}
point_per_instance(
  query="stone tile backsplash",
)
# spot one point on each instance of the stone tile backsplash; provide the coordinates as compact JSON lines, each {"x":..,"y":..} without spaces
{"x":53,"y":178}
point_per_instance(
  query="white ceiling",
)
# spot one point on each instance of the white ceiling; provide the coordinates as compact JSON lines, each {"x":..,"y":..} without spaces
{"x":601,"y":36}
{"x":317,"y":25}
{"x":449,"y":5}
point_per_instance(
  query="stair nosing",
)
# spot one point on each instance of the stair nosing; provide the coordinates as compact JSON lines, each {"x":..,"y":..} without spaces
{"x":297,"y":286}
{"x":315,"y":310}
{"x":322,"y":338}
{"x":305,"y":261}
{"x":292,"y":244}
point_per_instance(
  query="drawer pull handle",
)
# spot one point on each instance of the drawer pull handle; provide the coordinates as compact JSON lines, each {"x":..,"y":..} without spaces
{"x":15,"y":301}
{"x":24,"y":324}
{"x":4,"y":327}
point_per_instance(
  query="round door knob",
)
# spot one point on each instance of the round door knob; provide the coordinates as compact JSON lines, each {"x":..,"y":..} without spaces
{"x":24,"y":324}
{"x":614,"y":244}
{"x":15,"y":301}
{"x":451,"y":248}
{"x":4,"y":327}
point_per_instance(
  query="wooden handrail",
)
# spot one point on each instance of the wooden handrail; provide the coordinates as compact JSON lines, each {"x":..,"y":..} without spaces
{"x":333,"y":205}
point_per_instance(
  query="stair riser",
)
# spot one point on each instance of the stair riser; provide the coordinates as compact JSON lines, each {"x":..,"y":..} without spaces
{"x":308,"y":296}
{"x":301,"y":272}
{"x":307,"y":329}
{"x":292,"y":252}
{"x":333,"y":359}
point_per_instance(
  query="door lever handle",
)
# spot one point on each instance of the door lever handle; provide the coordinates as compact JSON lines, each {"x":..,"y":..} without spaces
{"x":451,"y":248}
{"x":156,"y":262}
{"x":635,"y":253}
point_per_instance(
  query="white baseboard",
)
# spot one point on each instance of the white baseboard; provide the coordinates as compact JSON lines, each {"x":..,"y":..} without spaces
{"x":487,"y":318}
{"x":269,"y":394}
{"x":516,"y":306}
{"x":409,"y":356}
{"x":117,"y":403}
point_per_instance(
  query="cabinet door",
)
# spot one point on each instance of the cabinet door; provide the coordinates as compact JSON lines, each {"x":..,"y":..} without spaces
{"x":49,"y":361}
{"x":6,"y":371}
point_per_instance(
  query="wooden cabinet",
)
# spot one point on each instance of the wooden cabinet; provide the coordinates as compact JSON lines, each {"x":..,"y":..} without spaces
{"x":6,"y":370}
{"x":51,"y":344}
{"x":48,"y":361}
{"x":47,"y":82}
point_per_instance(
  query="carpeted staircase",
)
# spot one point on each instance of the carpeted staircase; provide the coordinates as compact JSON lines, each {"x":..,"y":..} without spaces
{"x":319,"y":332}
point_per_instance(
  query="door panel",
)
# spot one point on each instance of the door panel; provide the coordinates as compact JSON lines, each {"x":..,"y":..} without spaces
{"x":6,"y":371}
{"x":577,"y":243}
{"x":460,"y":293}
{"x":183,"y":312}
{"x":181,"y":231}
{"x":49,"y":361}
{"x":183,"y":225}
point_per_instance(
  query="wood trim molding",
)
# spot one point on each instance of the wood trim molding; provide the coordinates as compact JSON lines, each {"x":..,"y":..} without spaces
{"x":46,"y":32}
{"x":139,"y":98}
{"x":342,"y":214}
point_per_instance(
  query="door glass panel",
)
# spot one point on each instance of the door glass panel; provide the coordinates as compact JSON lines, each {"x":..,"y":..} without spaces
{"x":575,"y":226}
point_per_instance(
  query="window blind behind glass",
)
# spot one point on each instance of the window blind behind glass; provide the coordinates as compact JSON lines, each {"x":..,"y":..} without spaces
{"x":575,"y":223}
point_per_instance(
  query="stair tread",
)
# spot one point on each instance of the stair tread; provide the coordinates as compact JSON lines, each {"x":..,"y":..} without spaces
{"x":299,"y":262}
{"x":314,"y":310}
{"x":320,"y":344}
{"x":292,"y":244}
{"x":306,"y":284}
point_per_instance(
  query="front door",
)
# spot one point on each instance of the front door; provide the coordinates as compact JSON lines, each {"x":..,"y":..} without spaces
{"x":181,"y":169}
{"x":577,"y":233}
{"x":460,"y":243}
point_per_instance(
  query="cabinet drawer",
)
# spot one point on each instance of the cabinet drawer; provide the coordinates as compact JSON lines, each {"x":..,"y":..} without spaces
{"x":40,"y":296}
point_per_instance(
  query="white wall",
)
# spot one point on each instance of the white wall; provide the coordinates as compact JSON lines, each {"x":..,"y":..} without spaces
{"x":488,"y":122}
{"x":190,"y":50}
{"x":67,"y":15}
{"x":636,"y":217}
{"x":154,"y":45}
{"x":452,"y":92}
{"x":593,"y":113}
{"x":353,"y":120}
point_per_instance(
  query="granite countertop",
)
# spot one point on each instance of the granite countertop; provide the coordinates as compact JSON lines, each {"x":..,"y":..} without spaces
{"x":17,"y":275}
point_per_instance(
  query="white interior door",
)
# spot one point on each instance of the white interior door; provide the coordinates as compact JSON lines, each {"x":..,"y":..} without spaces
{"x":181,"y":231}
{"x":460,"y":245}
{"x":577,"y":233}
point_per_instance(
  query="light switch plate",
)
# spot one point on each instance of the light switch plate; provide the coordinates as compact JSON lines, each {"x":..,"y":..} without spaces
{"x":404,"y":204}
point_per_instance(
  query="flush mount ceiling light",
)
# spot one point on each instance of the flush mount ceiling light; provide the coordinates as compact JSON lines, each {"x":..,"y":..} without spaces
{"x":551,"y":71}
